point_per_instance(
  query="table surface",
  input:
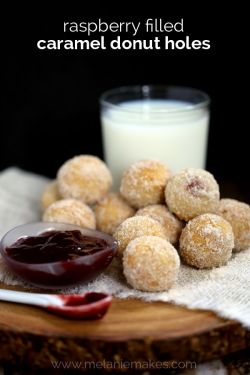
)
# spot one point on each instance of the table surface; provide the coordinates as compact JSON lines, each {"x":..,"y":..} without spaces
{"x":132,"y":330}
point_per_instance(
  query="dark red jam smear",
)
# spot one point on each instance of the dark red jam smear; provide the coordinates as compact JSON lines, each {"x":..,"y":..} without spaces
{"x":54,"y":246}
{"x":194,"y":186}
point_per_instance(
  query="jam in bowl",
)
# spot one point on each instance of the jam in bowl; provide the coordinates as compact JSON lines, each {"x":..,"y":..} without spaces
{"x":55,"y":255}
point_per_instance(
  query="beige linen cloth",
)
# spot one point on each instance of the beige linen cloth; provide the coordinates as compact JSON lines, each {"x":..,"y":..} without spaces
{"x":224,"y":290}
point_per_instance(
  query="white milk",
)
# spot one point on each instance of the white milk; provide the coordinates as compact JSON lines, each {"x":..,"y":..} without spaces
{"x":173,"y":132}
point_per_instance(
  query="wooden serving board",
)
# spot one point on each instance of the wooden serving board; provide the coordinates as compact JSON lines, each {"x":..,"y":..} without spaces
{"x":132,"y":330}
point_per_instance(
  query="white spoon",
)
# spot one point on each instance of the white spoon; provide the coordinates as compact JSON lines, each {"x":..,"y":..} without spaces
{"x":89,"y":305}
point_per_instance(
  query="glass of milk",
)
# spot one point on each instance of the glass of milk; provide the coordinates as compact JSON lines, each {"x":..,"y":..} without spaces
{"x":166,"y":123}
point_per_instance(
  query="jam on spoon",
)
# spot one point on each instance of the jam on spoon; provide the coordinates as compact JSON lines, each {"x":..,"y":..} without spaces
{"x":90,"y":305}
{"x":54,"y":246}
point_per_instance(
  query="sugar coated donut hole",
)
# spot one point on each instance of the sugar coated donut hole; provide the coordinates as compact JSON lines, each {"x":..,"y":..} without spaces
{"x":171,"y":224}
{"x":111,"y":212}
{"x":70,"y":211}
{"x":150,"y":264}
{"x":143,"y":183}
{"x":192,"y":192}
{"x":84,"y":177}
{"x":238,"y":215}
{"x":134,"y":227}
{"x":50,"y":194}
{"x":207,"y":241}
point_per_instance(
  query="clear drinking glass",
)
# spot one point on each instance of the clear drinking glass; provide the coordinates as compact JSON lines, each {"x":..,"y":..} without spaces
{"x":167,"y":123}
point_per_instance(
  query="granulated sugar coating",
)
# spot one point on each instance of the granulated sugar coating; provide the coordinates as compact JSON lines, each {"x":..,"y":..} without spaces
{"x":192,"y":192}
{"x":207,"y":241}
{"x":111,"y":212}
{"x":70,"y":211}
{"x":84,"y":177}
{"x":143,"y":183}
{"x":50,"y":195}
{"x":134,"y":227}
{"x":238,"y":215}
{"x":171,"y":224}
{"x":150,"y":264}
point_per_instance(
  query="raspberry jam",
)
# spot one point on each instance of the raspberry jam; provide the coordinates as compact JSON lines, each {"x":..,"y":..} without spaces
{"x":56,"y":255}
{"x":54,"y":246}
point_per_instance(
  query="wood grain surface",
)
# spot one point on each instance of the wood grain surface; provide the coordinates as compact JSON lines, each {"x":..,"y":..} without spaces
{"x":132,"y":330}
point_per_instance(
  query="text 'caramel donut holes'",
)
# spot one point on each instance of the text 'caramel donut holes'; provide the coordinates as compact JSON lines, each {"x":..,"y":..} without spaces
{"x":143,"y":183}
{"x":192,"y":192}
{"x":207,"y":241}
{"x":84,"y":177}
{"x":151,"y":264}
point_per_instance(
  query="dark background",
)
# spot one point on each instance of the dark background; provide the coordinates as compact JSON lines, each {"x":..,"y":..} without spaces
{"x":51,"y":110}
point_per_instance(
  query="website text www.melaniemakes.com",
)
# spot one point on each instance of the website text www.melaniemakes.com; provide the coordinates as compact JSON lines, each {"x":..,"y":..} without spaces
{"x":137,"y":365}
